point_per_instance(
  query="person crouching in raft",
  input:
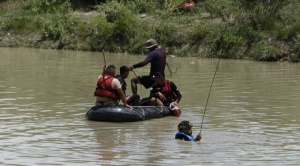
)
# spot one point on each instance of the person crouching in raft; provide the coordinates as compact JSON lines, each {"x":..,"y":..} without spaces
{"x":185,"y":132}
{"x":165,"y":93}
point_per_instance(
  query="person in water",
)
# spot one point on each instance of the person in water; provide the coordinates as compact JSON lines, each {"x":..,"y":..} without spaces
{"x":134,"y":99}
{"x":157,"y":57}
{"x":165,"y":93}
{"x":185,"y":132}
{"x":108,"y":90}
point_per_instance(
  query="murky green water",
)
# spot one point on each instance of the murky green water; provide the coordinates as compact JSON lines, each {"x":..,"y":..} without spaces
{"x":252,"y":117}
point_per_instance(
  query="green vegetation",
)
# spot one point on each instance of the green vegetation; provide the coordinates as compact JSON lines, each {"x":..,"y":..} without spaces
{"x":236,"y":29}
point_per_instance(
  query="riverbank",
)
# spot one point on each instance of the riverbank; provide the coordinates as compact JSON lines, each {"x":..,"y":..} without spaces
{"x":211,"y":29}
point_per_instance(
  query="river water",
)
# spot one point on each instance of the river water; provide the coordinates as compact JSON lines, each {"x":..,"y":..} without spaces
{"x":252,"y":115}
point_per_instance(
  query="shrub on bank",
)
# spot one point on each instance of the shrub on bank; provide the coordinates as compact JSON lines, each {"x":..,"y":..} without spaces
{"x":237,"y":29}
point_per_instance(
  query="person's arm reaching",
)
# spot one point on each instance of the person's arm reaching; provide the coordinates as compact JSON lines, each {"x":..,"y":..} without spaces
{"x":143,"y":63}
{"x":176,"y":91}
{"x":122,"y":97}
{"x":198,"y":137}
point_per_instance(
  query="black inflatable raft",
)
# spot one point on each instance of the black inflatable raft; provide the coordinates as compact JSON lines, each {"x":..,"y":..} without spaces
{"x":124,"y":114}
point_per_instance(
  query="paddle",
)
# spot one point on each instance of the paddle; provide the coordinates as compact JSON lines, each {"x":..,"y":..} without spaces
{"x":104,"y":58}
{"x":137,"y":80}
{"x":103,"y":72}
{"x":170,"y":70}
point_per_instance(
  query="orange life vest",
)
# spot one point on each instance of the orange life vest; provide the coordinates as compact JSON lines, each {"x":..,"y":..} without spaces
{"x":104,"y":88}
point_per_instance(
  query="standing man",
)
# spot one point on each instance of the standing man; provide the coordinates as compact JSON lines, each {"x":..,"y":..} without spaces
{"x":108,"y":90}
{"x":157,"y":59}
{"x":134,"y":99}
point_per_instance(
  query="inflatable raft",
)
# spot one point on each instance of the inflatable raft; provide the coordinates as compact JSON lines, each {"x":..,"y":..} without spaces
{"x":124,"y":114}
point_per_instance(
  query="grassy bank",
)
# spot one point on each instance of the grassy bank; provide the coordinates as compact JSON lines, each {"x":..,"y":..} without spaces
{"x":235,"y":29}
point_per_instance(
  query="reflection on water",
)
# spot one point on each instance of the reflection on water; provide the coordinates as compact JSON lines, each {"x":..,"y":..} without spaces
{"x":252,"y":116}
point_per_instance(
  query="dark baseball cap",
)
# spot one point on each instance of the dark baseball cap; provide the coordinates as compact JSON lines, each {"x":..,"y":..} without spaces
{"x":184,"y":125}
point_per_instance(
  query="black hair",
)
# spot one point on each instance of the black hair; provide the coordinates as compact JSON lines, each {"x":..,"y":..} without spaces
{"x":110,"y":69}
{"x":124,"y":69}
{"x":159,"y":74}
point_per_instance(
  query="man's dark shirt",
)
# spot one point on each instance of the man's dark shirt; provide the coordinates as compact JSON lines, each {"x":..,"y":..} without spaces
{"x":157,"y":58}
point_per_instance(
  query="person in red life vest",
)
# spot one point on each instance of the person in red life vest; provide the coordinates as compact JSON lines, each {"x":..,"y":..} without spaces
{"x":109,"y":90}
{"x":157,"y":59}
{"x":134,"y":99}
{"x":165,"y":93}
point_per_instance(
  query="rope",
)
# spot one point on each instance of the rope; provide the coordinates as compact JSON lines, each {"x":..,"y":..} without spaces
{"x":171,"y":73}
{"x":209,"y":94}
{"x":140,"y":111}
{"x":138,"y":81}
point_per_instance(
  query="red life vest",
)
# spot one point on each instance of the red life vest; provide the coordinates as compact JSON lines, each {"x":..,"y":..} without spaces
{"x":104,"y":88}
{"x":167,"y":91}
{"x":189,"y":4}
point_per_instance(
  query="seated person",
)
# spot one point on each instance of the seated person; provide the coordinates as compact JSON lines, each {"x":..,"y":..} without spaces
{"x":132,"y":99}
{"x":108,"y":90}
{"x":185,"y":132}
{"x":165,"y":93}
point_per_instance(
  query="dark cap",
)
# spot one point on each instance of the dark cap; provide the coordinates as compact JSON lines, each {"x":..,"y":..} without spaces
{"x":184,"y":125}
{"x":150,"y":43}
{"x":158,"y":74}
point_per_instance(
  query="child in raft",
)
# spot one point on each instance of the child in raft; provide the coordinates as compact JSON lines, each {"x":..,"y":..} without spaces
{"x":185,"y":132}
